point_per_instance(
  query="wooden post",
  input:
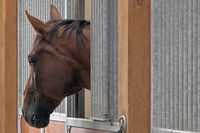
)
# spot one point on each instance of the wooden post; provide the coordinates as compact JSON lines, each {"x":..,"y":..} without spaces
{"x":8,"y":66}
{"x":134,"y":60}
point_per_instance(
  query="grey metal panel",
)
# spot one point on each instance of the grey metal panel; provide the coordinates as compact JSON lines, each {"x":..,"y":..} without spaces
{"x":104,"y":81}
{"x":198,"y":66}
{"x":175,"y":65}
{"x":75,"y":9}
{"x":113,"y":60}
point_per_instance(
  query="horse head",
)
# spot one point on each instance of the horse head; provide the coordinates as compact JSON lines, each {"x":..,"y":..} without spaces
{"x":60,"y":65}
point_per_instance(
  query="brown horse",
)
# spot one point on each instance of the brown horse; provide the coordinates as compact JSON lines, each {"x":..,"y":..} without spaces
{"x":60,"y":65}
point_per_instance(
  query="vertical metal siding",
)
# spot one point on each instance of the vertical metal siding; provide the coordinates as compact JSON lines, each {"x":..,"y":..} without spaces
{"x":176,"y":65}
{"x":75,"y":9}
{"x":104,"y":59}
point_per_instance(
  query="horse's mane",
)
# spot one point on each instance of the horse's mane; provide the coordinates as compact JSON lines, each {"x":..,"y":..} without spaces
{"x":69,"y":25}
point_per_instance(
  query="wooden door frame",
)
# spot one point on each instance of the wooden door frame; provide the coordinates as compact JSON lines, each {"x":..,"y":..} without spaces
{"x":134,"y":64}
{"x":8,"y":66}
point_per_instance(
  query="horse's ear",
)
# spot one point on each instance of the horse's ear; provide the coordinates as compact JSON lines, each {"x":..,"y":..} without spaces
{"x":37,"y":24}
{"x":54,"y":14}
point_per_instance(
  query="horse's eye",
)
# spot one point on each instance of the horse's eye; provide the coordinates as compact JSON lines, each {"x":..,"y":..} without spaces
{"x":31,"y":60}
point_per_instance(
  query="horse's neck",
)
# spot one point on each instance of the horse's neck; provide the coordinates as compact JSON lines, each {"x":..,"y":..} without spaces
{"x":80,"y":54}
{"x":84,"y":70}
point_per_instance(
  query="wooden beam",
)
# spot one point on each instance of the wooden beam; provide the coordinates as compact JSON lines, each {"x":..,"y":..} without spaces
{"x":8,"y":66}
{"x":88,"y":10}
{"x":123,"y":57}
{"x":134,"y":59}
{"x":1,"y":66}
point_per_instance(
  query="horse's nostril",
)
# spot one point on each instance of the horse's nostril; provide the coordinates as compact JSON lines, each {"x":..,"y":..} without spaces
{"x":34,"y":117}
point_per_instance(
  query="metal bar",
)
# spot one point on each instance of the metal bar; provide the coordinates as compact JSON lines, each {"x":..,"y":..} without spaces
{"x":66,"y":112}
{"x":19,"y":123}
{"x":58,"y":117}
{"x":164,"y":130}
{"x":92,"y":124}
{"x":19,"y":118}
{"x":42,"y":130}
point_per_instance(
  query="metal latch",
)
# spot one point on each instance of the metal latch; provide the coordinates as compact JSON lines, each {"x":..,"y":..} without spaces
{"x":117,"y":127}
{"x":122,"y":124}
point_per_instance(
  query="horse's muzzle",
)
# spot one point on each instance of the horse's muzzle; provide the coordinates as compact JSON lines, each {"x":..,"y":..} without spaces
{"x":37,"y":120}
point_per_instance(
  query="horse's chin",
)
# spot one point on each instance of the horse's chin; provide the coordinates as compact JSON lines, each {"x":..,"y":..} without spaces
{"x":42,"y":125}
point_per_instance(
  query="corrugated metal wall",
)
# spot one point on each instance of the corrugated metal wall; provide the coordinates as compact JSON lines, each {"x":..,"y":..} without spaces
{"x":176,"y":65}
{"x":104,"y":59}
{"x":75,"y":9}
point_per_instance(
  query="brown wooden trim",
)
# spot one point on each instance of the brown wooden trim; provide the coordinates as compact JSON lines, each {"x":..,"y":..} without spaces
{"x":1,"y":67}
{"x":123,"y":56}
{"x":134,"y":49}
{"x":88,"y":9}
{"x":8,"y":66}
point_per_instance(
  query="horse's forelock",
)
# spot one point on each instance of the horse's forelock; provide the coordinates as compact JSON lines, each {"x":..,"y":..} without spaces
{"x":67,"y":27}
